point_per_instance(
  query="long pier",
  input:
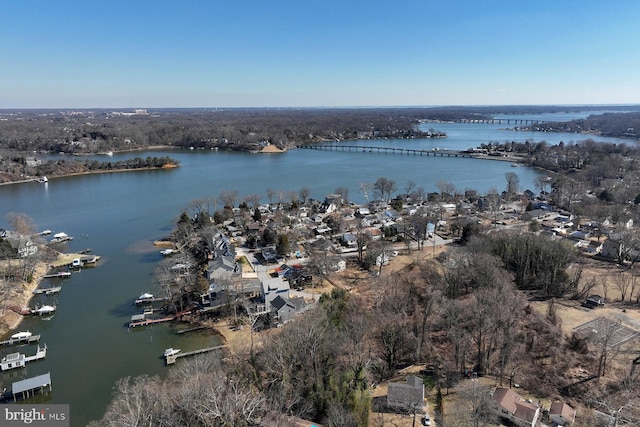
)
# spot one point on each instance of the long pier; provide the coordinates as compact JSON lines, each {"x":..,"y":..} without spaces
{"x":139,"y":320}
{"x":171,"y":359}
{"x":392,"y":150}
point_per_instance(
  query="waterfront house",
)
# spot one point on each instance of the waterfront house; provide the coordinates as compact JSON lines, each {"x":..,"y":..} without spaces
{"x":510,"y":405}
{"x":23,"y":246}
{"x":406,"y":396}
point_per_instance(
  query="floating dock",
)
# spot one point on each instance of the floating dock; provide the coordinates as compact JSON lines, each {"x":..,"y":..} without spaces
{"x":172,"y":357}
{"x":18,"y":341}
{"x":58,"y":275}
{"x":47,"y":291}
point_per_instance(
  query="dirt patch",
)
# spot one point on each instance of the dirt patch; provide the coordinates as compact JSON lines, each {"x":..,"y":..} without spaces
{"x":272,"y":149}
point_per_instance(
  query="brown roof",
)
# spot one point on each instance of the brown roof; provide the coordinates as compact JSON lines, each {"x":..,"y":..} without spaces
{"x":513,"y":402}
{"x":562,"y":409}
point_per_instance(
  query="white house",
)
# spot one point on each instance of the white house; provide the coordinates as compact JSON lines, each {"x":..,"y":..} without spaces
{"x":24,"y":246}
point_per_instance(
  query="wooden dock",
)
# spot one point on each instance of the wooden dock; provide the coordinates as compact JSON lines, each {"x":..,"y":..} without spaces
{"x":140,"y":320}
{"x":18,"y":341}
{"x":171,"y":359}
{"x":66,"y":260}
{"x":58,"y":275}
{"x":41,"y":353}
{"x":47,"y":291}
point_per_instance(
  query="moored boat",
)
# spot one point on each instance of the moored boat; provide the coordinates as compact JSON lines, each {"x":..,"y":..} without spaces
{"x":21,"y":335}
{"x":145,"y":298}
{"x":171,"y":352}
{"x":60,"y":237}
{"x":44,"y":310}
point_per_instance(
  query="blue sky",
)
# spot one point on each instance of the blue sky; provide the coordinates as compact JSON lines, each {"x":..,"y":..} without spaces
{"x":307,"y":53}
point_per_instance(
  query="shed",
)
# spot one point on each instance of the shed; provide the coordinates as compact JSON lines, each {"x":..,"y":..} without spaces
{"x":593,"y":301}
{"x":562,"y":414}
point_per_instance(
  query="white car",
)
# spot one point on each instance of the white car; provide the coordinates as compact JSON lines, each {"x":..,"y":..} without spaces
{"x":426,"y":421}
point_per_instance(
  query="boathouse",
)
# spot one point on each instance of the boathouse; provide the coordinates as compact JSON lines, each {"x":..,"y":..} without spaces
{"x":12,"y":361}
{"x":30,"y":386}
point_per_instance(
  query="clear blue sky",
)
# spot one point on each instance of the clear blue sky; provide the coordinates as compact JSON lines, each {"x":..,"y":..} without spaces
{"x":330,"y":53}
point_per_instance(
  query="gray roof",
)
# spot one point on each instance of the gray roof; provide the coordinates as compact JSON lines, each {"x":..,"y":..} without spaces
{"x":410,"y":392}
{"x":31,"y":383}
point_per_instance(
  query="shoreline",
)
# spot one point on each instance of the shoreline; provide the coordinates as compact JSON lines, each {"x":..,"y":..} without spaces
{"x":53,"y":177}
{"x":20,"y":296}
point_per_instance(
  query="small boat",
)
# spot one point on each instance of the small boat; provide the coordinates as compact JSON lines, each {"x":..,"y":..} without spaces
{"x":43,"y":179}
{"x":171,"y":352}
{"x":167,"y":252}
{"x":146,"y":296}
{"x":21,"y":335}
{"x":44,"y":232}
{"x":44,"y":310}
{"x":60,"y":237}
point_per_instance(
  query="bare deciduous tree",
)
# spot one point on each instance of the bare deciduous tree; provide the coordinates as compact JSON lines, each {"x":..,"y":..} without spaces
{"x":304,"y":193}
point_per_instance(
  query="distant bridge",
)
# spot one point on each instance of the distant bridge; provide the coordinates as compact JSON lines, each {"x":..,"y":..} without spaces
{"x":392,"y":150}
{"x":500,"y":121}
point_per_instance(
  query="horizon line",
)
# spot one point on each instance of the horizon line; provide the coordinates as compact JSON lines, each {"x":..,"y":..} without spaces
{"x":321,"y":107}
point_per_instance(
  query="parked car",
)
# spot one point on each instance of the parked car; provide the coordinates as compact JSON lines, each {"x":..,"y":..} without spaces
{"x":426,"y":421}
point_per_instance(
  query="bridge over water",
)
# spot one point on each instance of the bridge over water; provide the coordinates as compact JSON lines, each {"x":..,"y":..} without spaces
{"x":392,"y":150}
{"x":500,"y":121}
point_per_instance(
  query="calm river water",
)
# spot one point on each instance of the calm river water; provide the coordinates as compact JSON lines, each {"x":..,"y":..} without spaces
{"x":119,"y":215}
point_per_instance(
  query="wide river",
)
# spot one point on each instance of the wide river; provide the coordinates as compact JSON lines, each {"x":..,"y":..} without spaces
{"x":119,"y":215}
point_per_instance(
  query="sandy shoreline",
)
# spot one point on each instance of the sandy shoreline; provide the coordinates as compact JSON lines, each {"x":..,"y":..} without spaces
{"x":20,"y":296}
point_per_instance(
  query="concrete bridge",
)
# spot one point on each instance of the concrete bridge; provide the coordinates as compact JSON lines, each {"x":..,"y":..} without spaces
{"x":392,"y":150}
{"x":500,"y":121}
